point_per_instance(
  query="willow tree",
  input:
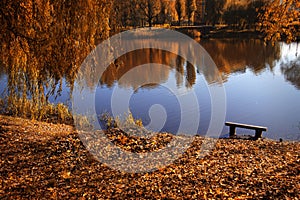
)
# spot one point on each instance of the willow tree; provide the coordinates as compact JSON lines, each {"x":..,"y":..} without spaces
{"x":44,"y":41}
{"x":280,"y":20}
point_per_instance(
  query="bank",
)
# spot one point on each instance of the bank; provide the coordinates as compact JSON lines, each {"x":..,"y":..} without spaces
{"x":42,"y":160}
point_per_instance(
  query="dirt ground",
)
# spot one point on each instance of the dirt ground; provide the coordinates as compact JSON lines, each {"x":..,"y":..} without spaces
{"x":49,"y":161}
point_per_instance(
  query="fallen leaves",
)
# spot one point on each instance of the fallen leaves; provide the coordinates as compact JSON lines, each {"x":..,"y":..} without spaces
{"x":54,"y":164}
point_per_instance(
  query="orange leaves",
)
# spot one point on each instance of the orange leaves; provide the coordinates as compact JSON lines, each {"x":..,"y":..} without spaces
{"x":278,"y":20}
{"x":66,"y":174}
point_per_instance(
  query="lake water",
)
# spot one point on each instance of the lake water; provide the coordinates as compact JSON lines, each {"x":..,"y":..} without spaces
{"x":262,"y":86}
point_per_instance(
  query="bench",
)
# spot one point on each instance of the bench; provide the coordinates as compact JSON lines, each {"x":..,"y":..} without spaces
{"x":233,"y":126}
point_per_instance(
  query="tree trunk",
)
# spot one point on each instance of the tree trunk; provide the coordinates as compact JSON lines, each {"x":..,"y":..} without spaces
{"x":150,"y":22}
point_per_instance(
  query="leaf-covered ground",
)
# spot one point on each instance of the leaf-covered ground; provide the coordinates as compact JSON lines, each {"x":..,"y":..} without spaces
{"x":47,"y":161}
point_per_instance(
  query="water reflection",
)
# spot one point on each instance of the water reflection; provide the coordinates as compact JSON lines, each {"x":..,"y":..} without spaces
{"x":130,"y":60}
{"x":230,"y":56}
{"x":235,"y":55}
{"x":148,"y":73}
{"x":252,"y":70}
{"x":168,"y":66}
{"x":291,"y":71}
{"x":248,"y":66}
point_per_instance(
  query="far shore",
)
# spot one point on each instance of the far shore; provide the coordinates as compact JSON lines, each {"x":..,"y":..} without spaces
{"x":219,"y":32}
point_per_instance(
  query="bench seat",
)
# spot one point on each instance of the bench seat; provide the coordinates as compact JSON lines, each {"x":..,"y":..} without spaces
{"x":233,"y":126}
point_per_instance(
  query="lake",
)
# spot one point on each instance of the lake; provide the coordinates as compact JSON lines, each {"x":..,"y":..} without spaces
{"x":261,"y":82}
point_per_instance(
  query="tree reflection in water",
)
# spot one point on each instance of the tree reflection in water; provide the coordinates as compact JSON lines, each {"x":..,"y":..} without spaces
{"x":291,"y":71}
{"x":230,"y":56}
{"x":155,"y":74}
{"x":235,"y":55}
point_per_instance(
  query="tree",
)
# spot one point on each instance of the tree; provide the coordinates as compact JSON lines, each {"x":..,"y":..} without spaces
{"x":200,"y":12}
{"x":242,"y":16}
{"x":179,"y":7}
{"x":214,"y":10}
{"x":164,"y":15}
{"x":150,"y":9}
{"x":254,"y":10}
{"x":136,"y":14}
{"x":121,"y":15}
{"x":280,"y":20}
{"x":236,"y":16}
{"x":190,"y":9}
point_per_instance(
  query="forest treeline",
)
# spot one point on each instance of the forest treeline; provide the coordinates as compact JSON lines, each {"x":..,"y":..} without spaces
{"x":89,"y":22}
{"x":186,"y":12}
{"x":277,"y":19}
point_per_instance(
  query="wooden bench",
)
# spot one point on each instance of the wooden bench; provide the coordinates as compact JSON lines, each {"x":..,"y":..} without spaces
{"x":233,"y":126}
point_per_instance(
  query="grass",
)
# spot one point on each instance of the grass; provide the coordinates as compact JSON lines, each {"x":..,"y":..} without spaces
{"x":115,"y":122}
{"x":60,"y":113}
{"x":42,"y":111}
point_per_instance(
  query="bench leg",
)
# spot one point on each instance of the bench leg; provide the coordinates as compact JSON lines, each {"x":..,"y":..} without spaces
{"x":258,"y":134}
{"x":232,"y":131}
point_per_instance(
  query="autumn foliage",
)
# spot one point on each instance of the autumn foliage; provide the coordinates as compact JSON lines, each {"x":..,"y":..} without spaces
{"x":281,"y":20}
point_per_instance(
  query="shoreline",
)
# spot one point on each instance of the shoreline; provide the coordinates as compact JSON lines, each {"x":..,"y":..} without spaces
{"x":208,"y":31}
{"x":243,"y":34}
{"x":43,"y":160}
